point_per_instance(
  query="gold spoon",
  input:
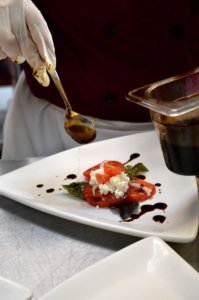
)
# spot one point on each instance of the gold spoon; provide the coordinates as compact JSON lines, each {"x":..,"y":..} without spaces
{"x":77,"y":126}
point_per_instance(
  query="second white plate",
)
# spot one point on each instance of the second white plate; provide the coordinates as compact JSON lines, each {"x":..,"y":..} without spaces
{"x":146,"y":270}
{"x":10,"y":290}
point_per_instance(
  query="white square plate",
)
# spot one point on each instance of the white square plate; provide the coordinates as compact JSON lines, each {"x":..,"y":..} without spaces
{"x":146,"y":270}
{"x":10,"y":290}
{"x":178,"y":192}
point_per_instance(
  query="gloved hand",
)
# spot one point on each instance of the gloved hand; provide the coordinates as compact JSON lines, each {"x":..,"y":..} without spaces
{"x":24,"y":35}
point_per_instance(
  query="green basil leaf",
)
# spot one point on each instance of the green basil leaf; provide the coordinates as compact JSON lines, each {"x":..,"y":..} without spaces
{"x":135,"y":170}
{"x":75,"y":188}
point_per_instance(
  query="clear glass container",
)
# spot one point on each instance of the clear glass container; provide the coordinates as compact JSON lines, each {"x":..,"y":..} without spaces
{"x":174,"y":107}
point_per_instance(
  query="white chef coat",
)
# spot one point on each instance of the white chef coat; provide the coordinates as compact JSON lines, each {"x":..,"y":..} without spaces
{"x":35,"y":128}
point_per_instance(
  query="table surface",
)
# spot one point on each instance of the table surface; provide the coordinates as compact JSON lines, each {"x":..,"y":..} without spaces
{"x":40,"y":250}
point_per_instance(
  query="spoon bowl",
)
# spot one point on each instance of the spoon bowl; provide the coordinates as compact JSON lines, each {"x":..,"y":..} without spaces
{"x":81,"y":129}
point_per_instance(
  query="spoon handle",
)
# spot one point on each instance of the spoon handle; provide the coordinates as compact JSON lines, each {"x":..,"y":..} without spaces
{"x":57,"y":82}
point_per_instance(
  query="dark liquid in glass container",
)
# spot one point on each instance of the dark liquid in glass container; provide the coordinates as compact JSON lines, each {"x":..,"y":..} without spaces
{"x":180,"y":146}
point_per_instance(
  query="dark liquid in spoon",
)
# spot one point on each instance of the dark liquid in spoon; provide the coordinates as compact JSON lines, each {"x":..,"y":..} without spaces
{"x":81,"y":134}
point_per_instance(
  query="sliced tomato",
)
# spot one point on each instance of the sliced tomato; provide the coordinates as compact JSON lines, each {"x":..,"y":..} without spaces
{"x":88,"y":171}
{"x":145,"y":190}
{"x":95,"y":198}
{"x":102,"y":178}
{"x":111,"y":167}
{"x":133,"y":194}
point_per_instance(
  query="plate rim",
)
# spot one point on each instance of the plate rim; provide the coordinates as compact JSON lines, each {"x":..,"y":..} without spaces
{"x":98,"y":223}
{"x":148,"y":241}
{"x":25,"y":293}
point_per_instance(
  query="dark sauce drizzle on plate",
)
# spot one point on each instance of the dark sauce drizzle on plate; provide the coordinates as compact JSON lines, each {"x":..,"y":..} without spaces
{"x":159,"y":218}
{"x":71,"y":176}
{"x":147,"y":208}
{"x":141,"y":177}
{"x":132,"y":156}
{"x":39,"y":185}
{"x":144,"y":208}
{"x":49,"y":190}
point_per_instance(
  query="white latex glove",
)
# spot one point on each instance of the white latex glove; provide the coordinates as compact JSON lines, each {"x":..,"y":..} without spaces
{"x":24,"y":35}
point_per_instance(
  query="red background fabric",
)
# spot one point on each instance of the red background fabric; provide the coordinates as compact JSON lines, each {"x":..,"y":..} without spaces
{"x":106,"y":48}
